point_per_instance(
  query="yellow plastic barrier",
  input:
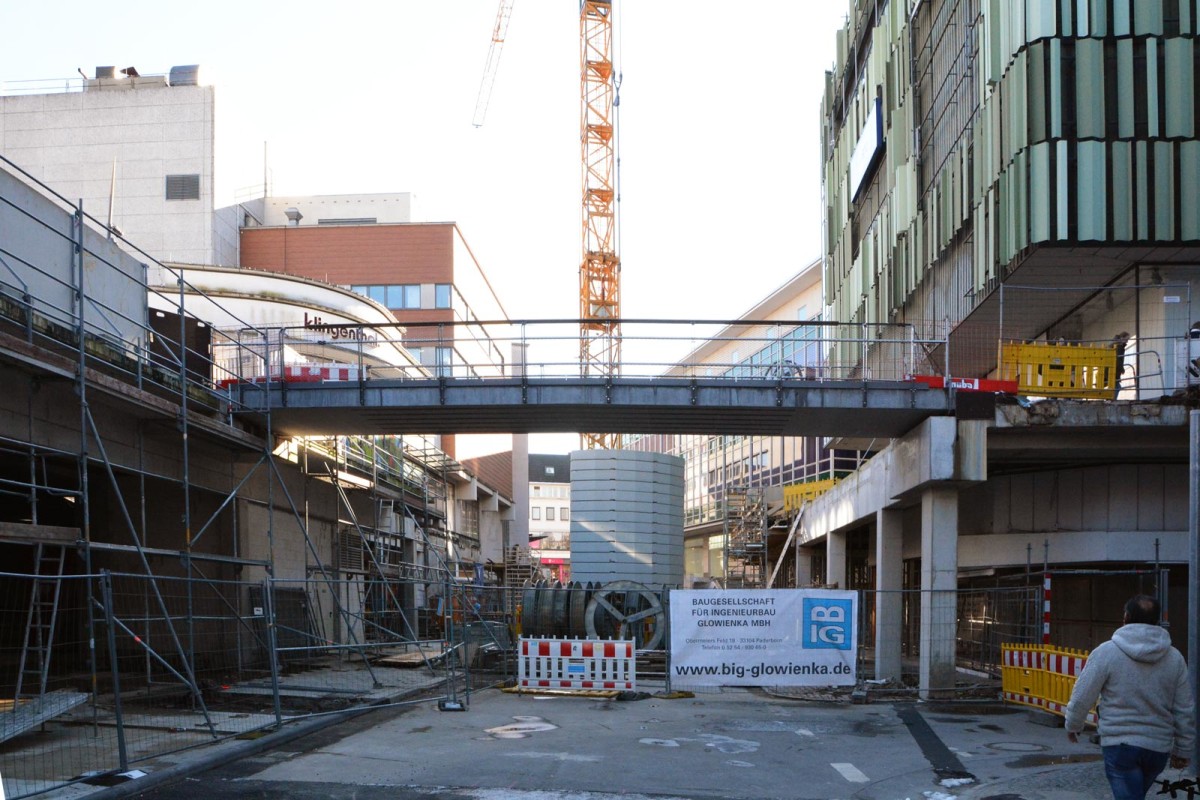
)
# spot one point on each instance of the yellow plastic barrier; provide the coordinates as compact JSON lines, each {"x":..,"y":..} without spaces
{"x":795,"y":494}
{"x":1041,"y":676}
{"x":1045,"y":369}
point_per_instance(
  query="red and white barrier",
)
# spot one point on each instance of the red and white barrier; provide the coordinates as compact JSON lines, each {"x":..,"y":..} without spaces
{"x":966,"y":384}
{"x":1063,"y":664}
{"x":1042,"y":676}
{"x":1046,"y":609}
{"x":576,"y":664}
{"x":303,"y":373}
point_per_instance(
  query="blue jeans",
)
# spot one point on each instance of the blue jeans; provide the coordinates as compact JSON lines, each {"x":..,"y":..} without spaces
{"x":1131,"y":770}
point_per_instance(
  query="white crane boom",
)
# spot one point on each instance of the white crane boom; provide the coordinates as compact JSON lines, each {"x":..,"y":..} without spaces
{"x":503,"y":13}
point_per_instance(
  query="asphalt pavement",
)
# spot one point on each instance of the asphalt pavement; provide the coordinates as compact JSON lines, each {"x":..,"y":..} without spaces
{"x":733,"y":744}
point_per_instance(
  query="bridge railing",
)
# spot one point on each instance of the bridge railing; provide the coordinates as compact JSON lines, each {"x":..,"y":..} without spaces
{"x":738,"y":350}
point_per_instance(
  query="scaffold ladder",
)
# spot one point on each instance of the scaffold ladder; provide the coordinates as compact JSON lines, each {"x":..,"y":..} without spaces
{"x":40,"y":620}
{"x":747,"y":544}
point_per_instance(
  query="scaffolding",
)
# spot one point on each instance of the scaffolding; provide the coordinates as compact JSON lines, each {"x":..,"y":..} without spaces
{"x":745,"y":537}
{"x":165,"y":561}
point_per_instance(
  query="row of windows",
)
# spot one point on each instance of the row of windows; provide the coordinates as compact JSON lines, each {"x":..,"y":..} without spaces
{"x":564,"y":513}
{"x":553,"y":490}
{"x":404,"y":295}
{"x":796,"y":348}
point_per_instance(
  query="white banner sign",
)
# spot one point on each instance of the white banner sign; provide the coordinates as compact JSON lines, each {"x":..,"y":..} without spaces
{"x":763,"y":637}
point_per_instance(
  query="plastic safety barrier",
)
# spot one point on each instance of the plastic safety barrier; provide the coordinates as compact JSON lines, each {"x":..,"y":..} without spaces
{"x":1061,"y":369}
{"x":584,"y":664}
{"x":1041,"y":676}
{"x":302,"y":373}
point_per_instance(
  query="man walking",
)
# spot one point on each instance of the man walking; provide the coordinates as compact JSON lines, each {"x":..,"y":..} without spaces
{"x":1146,"y":711}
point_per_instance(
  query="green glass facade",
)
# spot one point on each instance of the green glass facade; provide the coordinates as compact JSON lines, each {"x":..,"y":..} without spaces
{"x":1009,"y":127}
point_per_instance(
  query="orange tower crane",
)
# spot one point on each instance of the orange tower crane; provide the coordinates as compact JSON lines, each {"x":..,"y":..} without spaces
{"x":600,"y":269}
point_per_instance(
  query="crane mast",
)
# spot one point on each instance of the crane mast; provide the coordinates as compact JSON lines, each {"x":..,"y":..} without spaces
{"x":600,"y":269}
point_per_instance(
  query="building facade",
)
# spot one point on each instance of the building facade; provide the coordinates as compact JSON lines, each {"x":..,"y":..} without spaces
{"x":1016,"y":174}
{"x":550,"y":513}
{"x":735,"y":509}
{"x":424,"y":273}
{"x":135,"y":151}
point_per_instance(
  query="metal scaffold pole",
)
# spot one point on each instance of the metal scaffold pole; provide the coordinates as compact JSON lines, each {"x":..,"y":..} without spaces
{"x":110,"y":631}
{"x":1193,"y":567}
{"x":81,"y":390}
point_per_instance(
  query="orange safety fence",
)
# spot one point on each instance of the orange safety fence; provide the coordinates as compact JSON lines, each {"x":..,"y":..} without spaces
{"x":1041,"y":676}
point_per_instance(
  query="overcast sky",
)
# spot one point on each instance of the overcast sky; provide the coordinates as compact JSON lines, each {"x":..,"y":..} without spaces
{"x":719,"y":125}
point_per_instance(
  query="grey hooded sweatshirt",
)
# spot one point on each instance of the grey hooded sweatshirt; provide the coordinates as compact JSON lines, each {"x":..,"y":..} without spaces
{"x":1142,"y":683}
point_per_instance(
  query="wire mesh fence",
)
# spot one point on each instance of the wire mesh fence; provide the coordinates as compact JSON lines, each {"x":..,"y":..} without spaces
{"x":100,"y":673}
{"x":52,"y":730}
{"x":963,"y":628}
{"x":179,"y":662}
{"x":1148,"y":331}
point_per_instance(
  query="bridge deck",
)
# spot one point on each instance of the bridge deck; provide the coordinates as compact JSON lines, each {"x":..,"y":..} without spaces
{"x":624,"y":405}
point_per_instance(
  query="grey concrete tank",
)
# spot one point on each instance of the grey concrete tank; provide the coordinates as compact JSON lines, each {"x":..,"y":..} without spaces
{"x":626,"y":517}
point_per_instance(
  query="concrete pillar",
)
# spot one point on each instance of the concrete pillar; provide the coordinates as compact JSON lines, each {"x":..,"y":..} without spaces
{"x":889,"y":605}
{"x":835,"y":559}
{"x":804,"y":572}
{"x":939,"y":585}
{"x":519,"y":531}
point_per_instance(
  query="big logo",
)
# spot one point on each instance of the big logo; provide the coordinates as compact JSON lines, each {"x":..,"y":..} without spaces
{"x":828,"y":624}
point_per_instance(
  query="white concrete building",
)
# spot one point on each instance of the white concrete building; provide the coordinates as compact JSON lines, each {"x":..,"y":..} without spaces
{"x":136,"y":151}
{"x":550,"y":512}
{"x":331,"y":209}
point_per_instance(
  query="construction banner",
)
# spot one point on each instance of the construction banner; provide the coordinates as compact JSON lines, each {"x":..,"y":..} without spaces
{"x":763,"y":637}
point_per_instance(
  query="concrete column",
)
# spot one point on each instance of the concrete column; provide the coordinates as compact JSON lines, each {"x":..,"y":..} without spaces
{"x":519,"y":531}
{"x":939,"y":585}
{"x":835,"y":559}
{"x":804,"y":575}
{"x":889,"y":579}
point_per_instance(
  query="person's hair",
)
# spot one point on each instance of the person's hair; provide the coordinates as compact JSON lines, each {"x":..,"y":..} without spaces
{"x":1142,"y":608}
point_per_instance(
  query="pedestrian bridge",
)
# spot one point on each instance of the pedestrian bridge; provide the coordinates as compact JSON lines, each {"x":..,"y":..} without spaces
{"x":620,"y":405}
{"x":747,"y":377}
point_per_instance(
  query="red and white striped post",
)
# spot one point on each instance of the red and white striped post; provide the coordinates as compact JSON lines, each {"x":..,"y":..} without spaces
{"x":1046,"y":609}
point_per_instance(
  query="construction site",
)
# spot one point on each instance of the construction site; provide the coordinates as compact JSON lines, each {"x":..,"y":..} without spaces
{"x":229,"y":491}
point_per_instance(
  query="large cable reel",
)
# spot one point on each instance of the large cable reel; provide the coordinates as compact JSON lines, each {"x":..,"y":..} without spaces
{"x":626,"y":610}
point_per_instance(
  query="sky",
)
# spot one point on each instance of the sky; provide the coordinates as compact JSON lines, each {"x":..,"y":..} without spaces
{"x":719,"y":122}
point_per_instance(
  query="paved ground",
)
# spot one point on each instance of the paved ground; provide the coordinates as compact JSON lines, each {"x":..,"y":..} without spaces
{"x":158,"y":729}
{"x":733,"y":744}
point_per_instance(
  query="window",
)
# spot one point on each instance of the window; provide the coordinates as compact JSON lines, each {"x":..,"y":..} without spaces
{"x":549,"y":470}
{"x":550,"y":513}
{"x":468,"y":517}
{"x":183,"y":187}
{"x":404,"y":296}
{"x":535,"y":512}
{"x":399,"y":296}
{"x":441,"y":295}
{"x":564,"y":513}
{"x":536,"y":491}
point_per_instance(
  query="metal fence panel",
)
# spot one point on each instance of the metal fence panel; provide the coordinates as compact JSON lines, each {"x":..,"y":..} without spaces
{"x":179,"y":662}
